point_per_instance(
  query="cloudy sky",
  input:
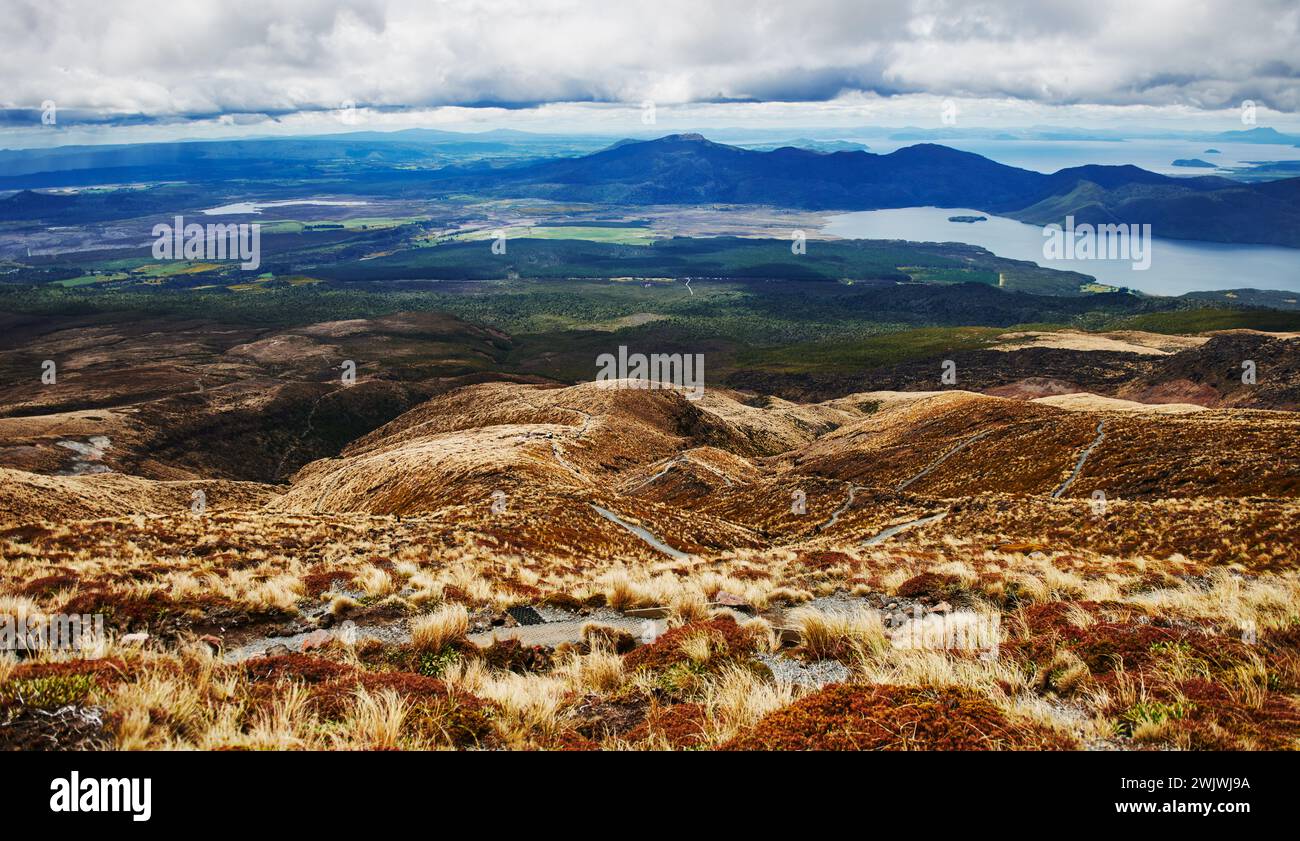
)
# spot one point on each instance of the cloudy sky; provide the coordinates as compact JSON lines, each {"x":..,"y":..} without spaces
{"x":190,"y":67}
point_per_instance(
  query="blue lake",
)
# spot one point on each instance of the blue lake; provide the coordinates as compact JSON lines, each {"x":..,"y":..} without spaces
{"x":1177,"y":266}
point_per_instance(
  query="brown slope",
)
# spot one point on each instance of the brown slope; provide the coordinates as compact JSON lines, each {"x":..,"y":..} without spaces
{"x":188,"y":399}
{"x":959,"y":444}
{"x":550,"y":454}
{"x":29,"y":497}
{"x":1211,"y":374}
{"x":701,"y":477}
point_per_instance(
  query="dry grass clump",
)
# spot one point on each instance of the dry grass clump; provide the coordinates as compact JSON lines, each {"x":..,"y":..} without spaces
{"x":376,"y":721}
{"x":995,"y":677}
{"x":435,"y":631}
{"x":374,"y":581}
{"x":848,"y":635}
{"x":597,"y":636}
{"x":598,"y":671}
{"x":737,"y":698}
{"x":530,"y":706}
{"x":1259,"y":604}
{"x":1064,"y":674}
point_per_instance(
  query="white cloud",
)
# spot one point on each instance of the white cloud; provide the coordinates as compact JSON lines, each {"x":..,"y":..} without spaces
{"x":187,"y":57}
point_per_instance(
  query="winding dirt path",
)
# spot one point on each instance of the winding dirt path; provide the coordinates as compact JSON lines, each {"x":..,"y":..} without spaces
{"x":558,"y":452}
{"x":669,"y":466}
{"x":673,"y":462}
{"x":645,"y":536}
{"x":941,"y":459}
{"x":835,"y":515}
{"x":901,"y":527}
{"x":1083,"y":457}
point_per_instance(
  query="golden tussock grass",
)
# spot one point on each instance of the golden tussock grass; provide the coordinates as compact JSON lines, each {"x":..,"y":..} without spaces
{"x":826,"y":635}
{"x":435,"y":631}
{"x":598,"y":671}
{"x":376,"y":721}
{"x":737,"y":698}
{"x":530,"y":705}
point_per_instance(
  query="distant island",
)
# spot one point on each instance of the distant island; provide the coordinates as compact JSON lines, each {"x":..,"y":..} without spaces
{"x":968,"y":218}
{"x":1212,"y":152}
{"x":823,"y":146}
{"x":1256,"y":135}
{"x":1196,"y":162}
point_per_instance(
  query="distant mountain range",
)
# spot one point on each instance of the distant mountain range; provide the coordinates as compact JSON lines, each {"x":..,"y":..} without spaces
{"x":689,"y":169}
{"x":1260,"y":134}
{"x":677,"y":169}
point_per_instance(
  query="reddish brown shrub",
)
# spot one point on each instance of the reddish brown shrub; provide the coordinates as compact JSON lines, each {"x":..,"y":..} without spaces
{"x":572,"y":741}
{"x":680,"y":725}
{"x":105,"y":670}
{"x":54,"y":685}
{"x":46,"y":586}
{"x":298,"y":667}
{"x":315,"y":583}
{"x":843,"y":717}
{"x":930,"y":585}
{"x":30,"y":533}
{"x":728,"y":640}
{"x":821,"y":561}
{"x":563,"y":601}
{"x":1117,"y":637}
{"x":513,"y":656}
{"x":452,"y":593}
{"x":1217,"y":720}
{"x":124,"y":610}
{"x":524,"y":593}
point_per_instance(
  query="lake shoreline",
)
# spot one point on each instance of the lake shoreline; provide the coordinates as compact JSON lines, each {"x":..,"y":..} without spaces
{"x":1176,"y":267}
